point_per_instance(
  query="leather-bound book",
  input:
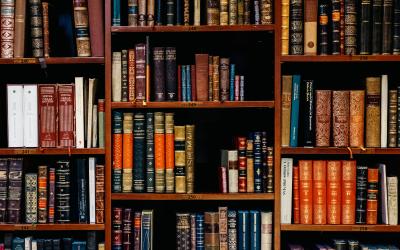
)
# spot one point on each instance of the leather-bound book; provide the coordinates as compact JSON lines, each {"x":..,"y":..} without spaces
{"x":193,"y":88}
{"x":14,"y":197}
{"x":66,"y":108}
{"x":211,"y":230}
{"x":224,"y":79}
{"x":319,"y":191}
{"x":142,"y":4}
{"x":387,"y":27}
{"x":117,"y":151}
{"x":372,"y":196}
{"x":323,"y":27}
{"x":100,"y":193}
{"x":223,"y":228}
{"x":81,"y":182}
{"x":46,"y":29}
{"x":3,"y":189}
{"x":250,"y":163}
{"x":212,"y":12}
{"x":36,"y":27}
{"x":306,"y":191}
{"x":216,"y":79}
{"x":365,"y":29}
{"x":361,"y":194}
{"x":63,"y":192}
{"x":258,"y":159}
{"x":140,"y":55}
{"x":7,"y":28}
{"x":170,"y":74}
{"x":241,"y":11}
{"x":396,"y":27}
{"x":127,"y":228}
{"x":127,"y":153}
{"x":180,"y":159}
{"x":190,"y":158}
{"x":116,"y":13}
{"x":96,"y":20}
{"x":310,"y":27}
{"x":296,"y":195}
{"x":169,"y":153}
{"x":350,"y":31}
{"x":139,"y":133}
{"x":232,"y":229}
{"x":183,"y":231}
{"x":116,"y":77}
{"x":159,"y":73}
{"x":150,"y":176}
{"x":232,"y":12}
{"x":47,"y":115}
{"x":124,"y":76}
{"x":340,"y":118}
{"x":131,"y":75}
{"x":117,"y":234}
{"x":202,"y":77}
{"x":342,"y":27}
{"x":159,"y":151}
{"x":392,"y":116}
{"x":137,"y":225}
{"x":223,"y":12}
{"x":81,"y":21}
{"x":348,"y":191}
{"x":286,"y":109}
{"x":210,"y":77}
{"x":150,"y":12}
{"x":179,"y":11}
{"x":42,"y":194}
{"x":266,"y":11}
{"x":132,"y":13}
{"x":333,"y":191}
{"x":376,"y":27}
{"x":242,"y":164}
{"x":309,"y":116}
{"x":20,"y":17}
{"x":373,"y":112}
{"x":285,"y":27}
{"x":197,"y":11}
{"x":335,"y":24}
{"x":31,"y":202}
{"x":270,"y":168}
{"x":357,"y":109}
{"x":52,"y":192}
{"x":322,"y":117}
{"x":170,"y":10}
{"x":296,"y":27}
{"x":257,"y":14}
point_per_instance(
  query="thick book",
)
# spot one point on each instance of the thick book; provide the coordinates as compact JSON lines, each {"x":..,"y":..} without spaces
{"x":387,"y":17}
{"x":169,"y":153}
{"x":15,"y":115}
{"x":361,"y":194}
{"x":334,"y":192}
{"x":47,"y":96}
{"x":384,"y":110}
{"x":3,"y":189}
{"x":306,"y":191}
{"x":340,"y":118}
{"x":213,"y":12}
{"x":180,"y":159}
{"x":365,"y":27}
{"x":183,"y":231}
{"x":82,"y":190}
{"x":81,"y":21}
{"x":42,"y":194}
{"x":224,"y":12}
{"x":35,"y":7}
{"x":147,"y":230}
{"x":383,"y":201}
{"x":127,"y":153}
{"x":294,"y":116}
{"x":31,"y":201}
{"x":150,"y":186}
{"x":150,"y":12}
{"x":286,"y":109}
{"x":266,"y":230}
{"x":131,"y":75}
{"x":7,"y":28}
{"x":373,"y":112}
{"x":243,"y":229}
{"x":211,"y":230}
{"x":96,"y":20}
{"x":393,"y":197}
{"x":142,"y":4}
{"x":356,"y":126}
{"x":348,"y":191}
{"x":170,"y":10}
{"x":309,"y":114}
{"x":66,"y":130}
{"x":117,"y":151}
{"x":392,"y":119}
{"x":159,"y":73}
{"x":224,"y":79}
{"x":100,"y":194}
{"x":286,"y":190}
{"x":20,"y":20}
{"x":30,"y":119}
{"x":117,"y":235}
{"x":233,"y":172}
{"x":255,"y":229}
{"x":310,"y":27}
{"x":335,"y":24}
{"x":139,"y":140}
{"x":376,"y":26}
{"x":124,"y":76}
{"x":170,"y":74}
{"x":190,"y":158}
{"x":319,"y":191}
{"x":372,"y":196}
{"x":296,"y":39}
{"x":159,"y":151}
{"x":350,"y":27}
{"x":14,"y":195}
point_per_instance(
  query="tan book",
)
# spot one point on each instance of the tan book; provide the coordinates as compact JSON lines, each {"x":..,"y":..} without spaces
{"x":373,"y":112}
{"x":250,"y":165}
{"x":310,"y":27}
{"x":169,"y":153}
{"x":150,"y":12}
{"x":323,"y":107}
{"x":232,"y":12}
{"x":190,"y":158}
{"x":266,"y":11}
{"x":20,"y":17}
{"x":357,"y":108}
{"x":213,"y":12}
{"x":197,"y":11}
{"x":186,"y":12}
{"x":142,"y":12}
{"x":223,"y":228}
{"x":180,"y":159}
{"x":285,"y":27}
{"x":116,"y":77}
{"x":392,"y":116}
{"x":286,"y":109}
{"x":340,"y":120}
{"x":223,"y":12}
{"x":216,"y":79}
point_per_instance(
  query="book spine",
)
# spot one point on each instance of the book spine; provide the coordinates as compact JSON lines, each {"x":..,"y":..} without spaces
{"x":159,"y":151}
{"x":190,"y":158}
{"x":242,"y":182}
{"x":42,"y":194}
{"x":46,"y":29}
{"x":116,"y":77}
{"x":216,"y":79}
{"x":286,"y":109}
{"x":140,"y":55}
{"x":117,"y":151}
{"x":392,"y":186}
{"x":182,"y":231}
{"x":306,"y":194}
{"x":180,"y":159}
{"x":66,"y":133}
{"x":258,"y":158}
{"x":243,"y":230}
{"x":392,"y":135}
{"x":373,"y":112}
{"x":334,"y":192}
{"x":357,"y":109}
{"x":319,"y":192}
{"x":223,"y":228}
{"x":47,"y":115}
{"x":257,"y":15}
{"x":376,"y":26}
{"x":188,"y":84}
{"x":101,"y":121}
{"x":150,"y":12}
{"x":142,"y":4}
{"x":310,"y":26}
{"x":30,"y":198}
{"x":7,"y":28}
{"x":323,"y":27}
{"x":52,"y":190}
{"x":30,"y":119}
{"x":81,"y":20}
{"x":139,"y":152}
{"x":14,"y":191}
{"x":137,"y":224}
{"x":212,"y":12}
{"x":398,"y":115}
{"x":96,"y":16}
{"x":342,"y":26}
{"x":146,"y":230}
{"x":223,"y":12}
{"x":15,"y":115}
{"x":224,"y":79}
{"x":264,"y":152}
{"x":186,"y":12}
{"x":200,"y":231}
{"x":250,"y":163}
{"x":309,"y":129}
{"x":372,"y":196}
{"x":350,"y":32}
{"x":124,"y":76}
{"x":170,"y":9}
{"x":127,"y":152}
{"x":240,"y":11}
{"x":241,"y":85}
{"x":387,"y":27}
{"x":91,"y":196}
{"x":127,"y":228}
{"x":266,"y":230}
{"x":396,"y":28}
{"x":179,"y":12}
{"x":286,"y":190}
{"x":3,"y":189}
{"x":193,"y":231}
{"x":365,"y":29}
{"x":255,"y":232}
{"x":266,"y":12}
{"x":232,"y":82}
{"x":63,"y":192}
{"x":361,"y":194}
{"x":116,"y":13}
{"x":323,"y":117}
{"x":296,"y":195}
{"x":211,"y":230}
{"x":201,"y":77}
{"x":159,"y":73}
{"x":169,"y":153}
{"x":233,"y":173}
{"x":335,"y":27}
{"x":296,"y":27}
{"x":100,"y":194}
{"x":247,"y":12}
{"x":170,"y":73}
{"x":117,"y":234}
{"x":36,"y":28}
{"x":294,"y":117}
{"x":150,"y":152}
{"x":348,"y":192}
{"x":131,"y":75}
{"x":384,"y":110}
{"x":133,"y":12}
{"x":232,"y":12}
{"x":232,"y":229}
{"x":20,"y":17}
{"x":340,"y":119}
{"x":285,"y":9}
{"x":210,"y":78}
{"x":82,"y":189}
{"x":197,"y":11}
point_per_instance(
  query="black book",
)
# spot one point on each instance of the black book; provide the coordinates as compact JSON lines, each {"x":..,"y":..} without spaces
{"x":296,"y":40}
{"x":67,"y":243}
{"x":376,"y":26}
{"x":159,"y":12}
{"x":56,"y":244}
{"x":14,"y":191}
{"x":82,"y":190}
{"x":40,"y":244}
{"x":387,"y":27}
{"x":396,"y":27}
{"x":91,"y":240}
{"x":323,"y":27}
{"x":170,"y":73}
{"x":398,"y":115}
{"x":139,"y":154}
{"x":179,"y":12}
{"x":48,"y":244}
{"x":8,"y":241}
{"x":170,"y":12}
{"x":361,"y":194}
{"x":365,"y":32}
{"x":308,"y":118}
{"x":335,"y":13}
{"x":159,"y":73}
{"x":63,"y":192}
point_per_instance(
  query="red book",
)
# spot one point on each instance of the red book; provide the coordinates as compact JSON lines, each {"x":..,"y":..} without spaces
{"x":334,"y":191}
{"x":319,"y":192}
{"x":296,"y":195}
{"x":348,"y":192}
{"x":96,"y":20}
{"x":241,"y":141}
{"x":47,"y":115}
{"x":306,"y":199}
{"x":137,"y":226}
{"x":372,"y":196}
{"x":140,"y":88}
{"x":202,"y":77}
{"x":179,"y":83}
{"x":193,"y":82}
{"x":66,"y":115}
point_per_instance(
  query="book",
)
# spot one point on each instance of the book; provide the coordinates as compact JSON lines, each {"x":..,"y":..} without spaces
{"x":319,"y":191}
{"x":42,"y":194}
{"x":159,"y":151}
{"x":139,"y":152}
{"x":81,"y":22}
{"x":310,"y":27}
{"x":286,"y":109}
{"x":309,"y":117}
{"x":372,"y":196}
{"x":127,"y":153}
{"x":361,"y":194}
{"x":349,"y":191}
{"x":373,"y":112}
{"x":183,"y":231}
{"x":243,"y":229}
{"x":384,"y":110}
{"x":340,"y":118}
{"x":169,"y":153}
{"x":286,"y":190}
{"x":15,"y":115}
{"x":296,"y":24}
{"x":356,"y":125}
{"x":223,"y":227}
{"x":294,"y":116}
{"x":31,"y":199}
{"x":383,"y":201}
{"x":19,"y":32}
{"x":392,"y":196}
{"x":334,"y":192}
{"x":306,"y":194}
{"x":350,"y":31}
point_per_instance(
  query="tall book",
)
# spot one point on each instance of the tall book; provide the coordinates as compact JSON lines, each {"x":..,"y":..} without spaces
{"x":243,"y":229}
{"x":20,"y":17}
{"x":296,"y":40}
{"x":285,"y":9}
{"x":183,"y":231}
{"x":170,"y":74}
{"x":159,"y":73}
{"x":15,"y":115}
{"x":147,"y":230}
{"x":309,"y":117}
{"x":202,"y":77}
{"x":142,"y":12}
{"x":266,"y":230}
{"x":213,"y":12}
{"x":127,"y":228}
{"x":258,"y":162}
{"x":286,"y":109}
{"x":383,"y":193}
{"x":7,"y":28}
{"x":150,"y":152}
{"x":319,"y":191}
{"x":294,"y":116}
{"x":286,"y":190}
{"x":250,"y":163}
{"x":100,"y":194}
{"x":139,"y":135}
{"x":82,"y":190}
{"x":159,"y":151}
{"x":242,"y":164}
{"x":124,"y":76}
{"x":180,"y":159}
{"x":233,"y":172}
{"x":42,"y":194}
{"x":323,"y":27}
{"x":200,"y":229}
{"x":150,"y":12}
{"x":376,"y":26}
{"x":361,"y":194}
{"x":46,"y":29}
{"x":310,"y":27}
{"x":365,"y":27}
{"x":31,"y":198}
{"x":384,"y":110}
{"x":81,"y":21}
{"x":3,"y":189}
{"x":396,"y":28}
{"x":387,"y":16}
{"x":14,"y":196}
{"x":323,"y":117}
{"x":91,"y":197}
{"x":127,"y":153}
{"x":340,"y":119}
{"x":306,"y":193}
{"x":372,"y":196}
{"x":255,"y":229}
{"x":117,"y":234}
{"x":52,"y":191}
{"x":101,"y":122}
{"x":356,"y":126}
{"x":169,"y":153}
{"x":335,"y":24}
{"x":92,"y":88}
{"x":348,"y":191}
{"x":66,"y":137}
{"x":190,"y":157}
{"x":223,"y":12}
{"x":350,"y":31}
{"x":116,"y":14}
{"x":140,"y":55}
{"x":137,"y":229}
{"x":393,"y":197}
{"x":296,"y":195}
{"x":116,"y":77}
{"x":334,"y":192}
{"x":117,"y":151}
{"x":35,"y":7}
{"x":392,"y":117}
{"x":47,"y":115}
{"x":96,"y":19}
{"x":170,"y":6}
{"x":224,"y":79}
{"x":79,"y":113}
{"x":30,"y":119}
{"x":373,"y":112}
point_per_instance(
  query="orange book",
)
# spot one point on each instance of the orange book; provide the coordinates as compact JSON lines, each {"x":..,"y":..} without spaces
{"x":127,"y":152}
{"x":372,"y":196}
{"x":159,"y":151}
{"x":305,"y":170}
{"x":169,"y":153}
{"x":296,"y":195}
{"x":319,"y":192}
{"x":348,"y":192}
{"x":334,"y":191}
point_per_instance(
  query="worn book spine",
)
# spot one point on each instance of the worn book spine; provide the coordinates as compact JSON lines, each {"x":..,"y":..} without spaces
{"x":81,"y":21}
{"x":212,"y":12}
{"x":124,"y":76}
{"x":285,"y":27}
{"x":377,"y":26}
{"x":170,"y":74}
{"x":243,"y":229}
{"x":31,"y":198}
{"x":323,"y":117}
{"x":393,"y":197}
{"x":159,"y":73}
{"x":247,"y":12}
{"x":232,"y":12}
{"x":350,"y":31}
{"x":396,"y":27}
{"x":139,"y":134}
{"x":150,"y":152}
{"x":66,"y":131}
{"x":47,"y":115}
{"x":117,"y":234}
{"x":7,"y":28}
{"x":372,"y":196}
{"x":180,"y":159}
{"x":258,"y":159}
{"x":296,"y":27}
{"x":223,"y":12}
{"x":232,"y":229}
{"x":216,"y":78}
{"x":365,"y":29}
{"x":127,"y":152}
{"x":101,"y":122}
{"x":190,"y":158}
{"x":310,"y":27}
{"x":3,"y":189}
{"x":387,"y":27}
{"x":223,"y":227}
{"x":361,"y":194}
{"x":170,"y":10}
{"x":240,"y":12}
{"x":186,"y":12}
{"x":150,"y":12}
{"x":183,"y":231}
{"x":264,"y":152}
{"x":306,"y":191}
{"x":193,"y":231}
{"x":296,"y":195}
{"x":309,"y":117}
{"x":14,"y":197}
{"x":286,"y":109}
{"x":210,"y":77}
{"x":169,"y":153}
{"x":51,"y":199}
{"x":224,"y":79}
{"x":140,"y":88}
{"x":159,"y":151}
{"x":131,"y":75}
{"x":392,"y":116}
{"x":256,"y":9}
{"x":323,"y":27}
{"x":319,"y":191}
{"x":36,"y":28}
{"x":117,"y":151}
{"x":211,"y":230}
{"x":127,"y":228}
{"x":266,"y":11}
{"x":398,"y":115}
{"x":373,"y":112}
{"x":133,"y":12}
{"x":96,"y":16}
{"x":335,"y":24}
{"x":357,"y":109}
{"x":20,"y":17}
{"x":116,"y":77}
{"x":42,"y":194}
{"x":100,"y":194}
{"x":250,"y":164}
{"x":46,"y":29}
{"x":340,"y":119}
{"x":202,"y":77}
{"x":142,"y":4}
{"x":242,"y":164}
{"x":348,"y":191}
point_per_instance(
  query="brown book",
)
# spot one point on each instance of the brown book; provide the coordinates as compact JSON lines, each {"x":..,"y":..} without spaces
{"x":100,"y":192}
{"x":250,"y":165}
{"x":392,"y":137}
{"x":140,"y":55}
{"x":373,"y":112}
{"x":323,"y":117}
{"x":42,"y":194}
{"x":190,"y":158}
{"x":96,"y":24}
{"x":186,"y":12}
{"x":319,"y":192}
{"x":7,"y":29}
{"x":348,"y":192}
{"x":372,"y":196}
{"x":150,"y":12}
{"x":202,"y":77}
{"x":210,"y":77}
{"x":357,"y":109}
{"x":342,"y":23}
{"x":142,"y":12}
{"x":286,"y":110}
{"x":20,"y":17}
{"x":131,"y":75}
{"x":310,"y":27}
{"x":66,"y":114}
{"x":47,"y":116}
{"x":46,"y":29}
{"x":223,"y":228}
{"x":232,"y":12}
{"x":211,"y":230}
{"x":224,"y":79}
{"x":169,"y":153}
{"x":266,"y":11}
{"x":296,"y":195}
{"x":334,"y":191}
{"x":212,"y":12}
{"x":306,"y":191}
{"x":340,"y":113}
{"x":224,"y":12}
{"x":216,"y":82}
{"x":81,"y":21}
{"x":159,"y":151}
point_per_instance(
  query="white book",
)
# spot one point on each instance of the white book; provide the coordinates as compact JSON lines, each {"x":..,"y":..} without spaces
{"x":28,"y":243}
{"x":286,"y":190}
{"x":15,"y":115}
{"x":79,"y":113}
{"x":384,"y":110}
{"x":384,"y":198}
{"x":30,"y":110}
{"x":116,"y":77}
{"x":95,"y":126}
{"x":392,"y":186}
{"x":266,"y":230}
{"x":34,"y":245}
{"x":92,"y":190}
{"x":233,"y":172}
{"x":90,"y":101}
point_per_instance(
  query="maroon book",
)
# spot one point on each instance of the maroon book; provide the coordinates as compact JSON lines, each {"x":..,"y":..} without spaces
{"x":137,"y":227}
{"x":66,"y":115}
{"x":47,"y":116}
{"x":127,"y":229}
{"x":96,"y":24}
{"x":341,"y":113}
{"x":140,"y":88}
{"x":117,"y":228}
{"x":202,"y":77}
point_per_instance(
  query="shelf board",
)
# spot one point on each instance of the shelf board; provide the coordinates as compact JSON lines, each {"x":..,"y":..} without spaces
{"x":54,"y":60}
{"x":342,"y":58}
{"x":52,"y":151}
{"x":199,"y":196}
{"x":208,"y":104}
{"x":340,"y":151}
{"x":51,"y":227}
{"x":192,"y":28}
{"x":340,"y":228}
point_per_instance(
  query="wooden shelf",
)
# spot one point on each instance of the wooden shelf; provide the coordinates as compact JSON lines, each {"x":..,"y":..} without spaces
{"x":51,"y":227}
{"x":210,"y":104}
{"x":191,"y":28}
{"x":52,"y":151}
{"x":342,"y":58}
{"x":340,"y":151}
{"x":54,"y":60}
{"x":340,"y":228}
{"x":199,"y":196}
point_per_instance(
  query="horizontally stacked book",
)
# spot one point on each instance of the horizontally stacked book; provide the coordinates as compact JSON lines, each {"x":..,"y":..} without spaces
{"x":211,"y":78}
{"x":241,"y":229}
{"x":55,"y":115}
{"x":249,"y":167}
{"x":197,"y":12}
{"x":340,"y":244}
{"x":152,"y":154}
{"x":339,"y":118}
{"x":340,"y":27}
{"x":337,"y":192}
{"x":132,"y":229}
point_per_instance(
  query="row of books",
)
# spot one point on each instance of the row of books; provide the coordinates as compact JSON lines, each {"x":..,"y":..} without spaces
{"x":40,"y":18}
{"x":12,"y":242}
{"x":211,"y":78}
{"x":340,"y":27}
{"x":55,"y":115}
{"x":249,"y":167}
{"x":197,"y":12}
{"x":132,"y":229}
{"x":48,"y":193}
{"x":152,"y":154}
{"x":337,"y":192}
{"x":341,"y":244}
{"x":241,"y":229}
{"x":340,"y":118}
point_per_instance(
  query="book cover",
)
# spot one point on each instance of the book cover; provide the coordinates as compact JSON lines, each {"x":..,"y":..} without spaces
{"x":159,"y":151}
{"x":81,"y":21}
{"x":190,"y":158}
{"x":223,"y":227}
{"x":117,"y":151}
{"x":376,"y":26}
{"x":96,"y":16}
{"x":170,"y":74}
{"x":350,"y":27}
{"x":232,"y":229}
{"x":392,"y":193}
{"x":384,"y":110}
{"x":15,"y":115}
{"x":296,"y":39}
{"x":82,"y":189}
{"x":200,"y":229}
{"x":243,"y":229}
{"x":182,"y":230}
{"x":392,"y":119}
{"x":47,"y":115}
{"x":66,"y":130}
{"x":309,"y":114}
{"x":180,"y":159}
{"x":31,"y":201}
{"x":310,"y":26}
{"x":159,"y":73}
{"x":150,"y":178}
{"x":255,"y":229}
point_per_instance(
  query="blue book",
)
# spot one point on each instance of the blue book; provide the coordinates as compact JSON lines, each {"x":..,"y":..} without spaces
{"x":183,"y":80}
{"x":232,"y":229}
{"x":79,"y":245}
{"x":150,"y":185}
{"x":117,"y":172}
{"x":159,"y":12}
{"x":243,"y":230}
{"x":139,"y":152}
{"x":255,"y":230}
{"x":18,"y":243}
{"x":258,"y":162}
{"x":232,"y":83}
{"x":294,"y":116}
{"x":199,"y":231}
{"x":179,"y":14}
{"x":188,"y":84}
{"x":147,"y":230}
{"x":116,"y":18}
{"x":81,"y":167}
